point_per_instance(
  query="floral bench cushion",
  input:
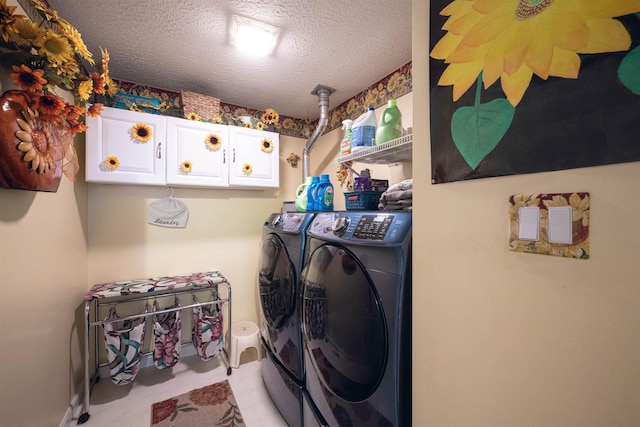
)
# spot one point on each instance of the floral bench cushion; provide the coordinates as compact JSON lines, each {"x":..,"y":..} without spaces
{"x":156,"y":284}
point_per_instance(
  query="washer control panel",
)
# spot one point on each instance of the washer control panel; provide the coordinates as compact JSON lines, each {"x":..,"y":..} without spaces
{"x":370,"y":226}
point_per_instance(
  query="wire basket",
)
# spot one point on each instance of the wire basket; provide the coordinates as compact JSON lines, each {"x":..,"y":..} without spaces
{"x":362,"y":200}
{"x":207,"y":107}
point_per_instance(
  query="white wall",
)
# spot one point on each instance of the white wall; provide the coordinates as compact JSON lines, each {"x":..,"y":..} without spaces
{"x":511,"y":339}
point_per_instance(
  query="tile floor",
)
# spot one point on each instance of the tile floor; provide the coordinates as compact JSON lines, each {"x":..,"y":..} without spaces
{"x":130,"y":405}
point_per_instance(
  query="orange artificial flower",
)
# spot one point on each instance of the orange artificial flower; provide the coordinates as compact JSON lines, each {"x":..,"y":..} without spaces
{"x":95,"y":110}
{"x":27,"y":78}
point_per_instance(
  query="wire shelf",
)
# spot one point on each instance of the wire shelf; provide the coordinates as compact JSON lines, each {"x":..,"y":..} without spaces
{"x":394,"y":151}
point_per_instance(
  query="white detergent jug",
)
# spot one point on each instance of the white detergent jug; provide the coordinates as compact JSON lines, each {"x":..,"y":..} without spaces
{"x":364,"y":131}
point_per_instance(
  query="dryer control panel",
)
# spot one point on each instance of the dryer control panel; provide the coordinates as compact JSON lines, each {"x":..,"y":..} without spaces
{"x":371,"y":227}
{"x":289,"y":222}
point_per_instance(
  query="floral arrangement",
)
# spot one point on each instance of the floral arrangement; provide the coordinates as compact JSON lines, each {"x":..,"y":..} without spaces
{"x":51,"y":54}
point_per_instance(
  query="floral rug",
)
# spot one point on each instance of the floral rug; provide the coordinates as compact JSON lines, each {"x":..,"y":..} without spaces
{"x":213,"y":405}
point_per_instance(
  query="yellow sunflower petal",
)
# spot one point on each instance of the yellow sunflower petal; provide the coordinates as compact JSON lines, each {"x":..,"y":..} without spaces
{"x":445,"y":46}
{"x":489,"y":27}
{"x":461,"y":76}
{"x":515,"y":85}
{"x":516,"y":44}
{"x":493,"y":65}
{"x":540,"y":54}
{"x":606,"y":35}
{"x":565,"y":64}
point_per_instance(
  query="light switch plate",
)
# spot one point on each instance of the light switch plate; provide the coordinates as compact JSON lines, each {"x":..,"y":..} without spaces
{"x":550,"y":224}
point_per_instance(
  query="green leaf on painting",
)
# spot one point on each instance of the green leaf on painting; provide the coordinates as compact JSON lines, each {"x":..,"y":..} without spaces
{"x":629,"y":71}
{"x":477,"y":130}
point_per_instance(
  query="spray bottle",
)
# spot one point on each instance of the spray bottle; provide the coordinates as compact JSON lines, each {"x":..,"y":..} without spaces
{"x":345,"y":145}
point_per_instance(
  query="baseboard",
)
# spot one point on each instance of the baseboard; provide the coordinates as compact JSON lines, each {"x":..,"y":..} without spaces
{"x":74,"y":408}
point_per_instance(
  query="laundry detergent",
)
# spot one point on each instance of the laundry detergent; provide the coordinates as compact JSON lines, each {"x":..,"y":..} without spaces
{"x":364,"y":131}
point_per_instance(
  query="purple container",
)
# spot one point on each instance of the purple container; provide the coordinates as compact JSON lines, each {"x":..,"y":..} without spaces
{"x":362,"y":183}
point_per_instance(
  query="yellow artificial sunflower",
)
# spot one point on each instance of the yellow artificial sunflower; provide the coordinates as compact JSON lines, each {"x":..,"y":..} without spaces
{"x":142,"y":132}
{"x":56,"y":48}
{"x":112,"y":162}
{"x":213,"y":142}
{"x":84,"y":89}
{"x":512,"y":40}
{"x":7,"y":20}
{"x":260,"y":126}
{"x":266,"y":145}
{"x":186,"y":166}
{"x":35,"y":141}
{"x":75,"y":38}
{"x":26,"y":32}
{"x":194,"y":116}
{"x":247,"y":169}
{"x":248,"y":125}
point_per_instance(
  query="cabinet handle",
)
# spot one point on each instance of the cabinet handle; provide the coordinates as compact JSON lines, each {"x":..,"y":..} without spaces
{"x":159,"y":150}
{"x":224,"y":156}
{"x":234,"y":155}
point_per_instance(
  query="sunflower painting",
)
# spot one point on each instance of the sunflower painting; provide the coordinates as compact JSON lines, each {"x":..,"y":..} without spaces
{"x":524,"y":86}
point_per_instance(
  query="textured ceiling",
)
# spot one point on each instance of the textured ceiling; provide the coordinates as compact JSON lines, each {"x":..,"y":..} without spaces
{"x":346,"y":45}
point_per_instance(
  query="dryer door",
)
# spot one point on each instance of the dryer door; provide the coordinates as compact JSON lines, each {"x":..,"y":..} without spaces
{"x":344,"y":326}
{"x":276,"y":281}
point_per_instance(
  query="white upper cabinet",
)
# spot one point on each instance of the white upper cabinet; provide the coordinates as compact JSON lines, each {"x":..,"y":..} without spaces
{"x":128,"y":147}
{"x":254,"y":158}
{"x":115,"y":155}
{"x":197,"y":153}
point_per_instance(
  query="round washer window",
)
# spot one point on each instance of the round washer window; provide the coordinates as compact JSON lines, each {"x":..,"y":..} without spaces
{"x":276,"y":280}
{"x":343,"y":323}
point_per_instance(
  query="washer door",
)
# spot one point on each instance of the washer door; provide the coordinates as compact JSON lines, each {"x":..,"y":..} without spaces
{"x":344,"y":326}
{"x":276,"y":281}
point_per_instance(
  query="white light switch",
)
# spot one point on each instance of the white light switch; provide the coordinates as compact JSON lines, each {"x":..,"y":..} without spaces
{"x":529,"y":224}
{"x":560,"y":224}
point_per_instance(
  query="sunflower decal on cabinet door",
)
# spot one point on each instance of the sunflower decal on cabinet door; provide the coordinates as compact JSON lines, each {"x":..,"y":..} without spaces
{"x":247,"y":169}
{"x":186,"y":166}
{"x":511,"y":43}
{"x":213,"y":142}
{"x":266,"y":145}
{"x":141,"y":132}
{"x":112,"y":162}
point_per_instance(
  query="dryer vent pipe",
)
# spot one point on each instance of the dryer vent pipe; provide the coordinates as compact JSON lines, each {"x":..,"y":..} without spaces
{"x":323,"y":93}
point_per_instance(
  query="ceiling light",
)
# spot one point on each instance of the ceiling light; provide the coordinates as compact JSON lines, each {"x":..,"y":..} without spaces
{"x":253,"y":36}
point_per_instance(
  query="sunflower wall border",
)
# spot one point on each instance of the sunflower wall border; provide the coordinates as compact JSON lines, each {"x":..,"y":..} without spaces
{"x":392,"y":86}
{"x":510,"y":94}
{"x":580,"y":211}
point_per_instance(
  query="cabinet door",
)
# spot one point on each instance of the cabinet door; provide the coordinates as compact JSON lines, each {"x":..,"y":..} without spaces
{"x":115,"y":155}
{"x":254,"y":158}
{"x":197,"y":153}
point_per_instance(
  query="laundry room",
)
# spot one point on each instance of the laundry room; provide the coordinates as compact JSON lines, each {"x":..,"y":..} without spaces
{"x":465,"y":324}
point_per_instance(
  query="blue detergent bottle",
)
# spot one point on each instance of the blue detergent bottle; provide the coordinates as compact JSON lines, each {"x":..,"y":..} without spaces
{"x":312,"y":190}
{"x":324,"y":196}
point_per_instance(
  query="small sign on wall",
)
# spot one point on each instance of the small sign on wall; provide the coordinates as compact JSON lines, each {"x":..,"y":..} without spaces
{"x":550,"y":224}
